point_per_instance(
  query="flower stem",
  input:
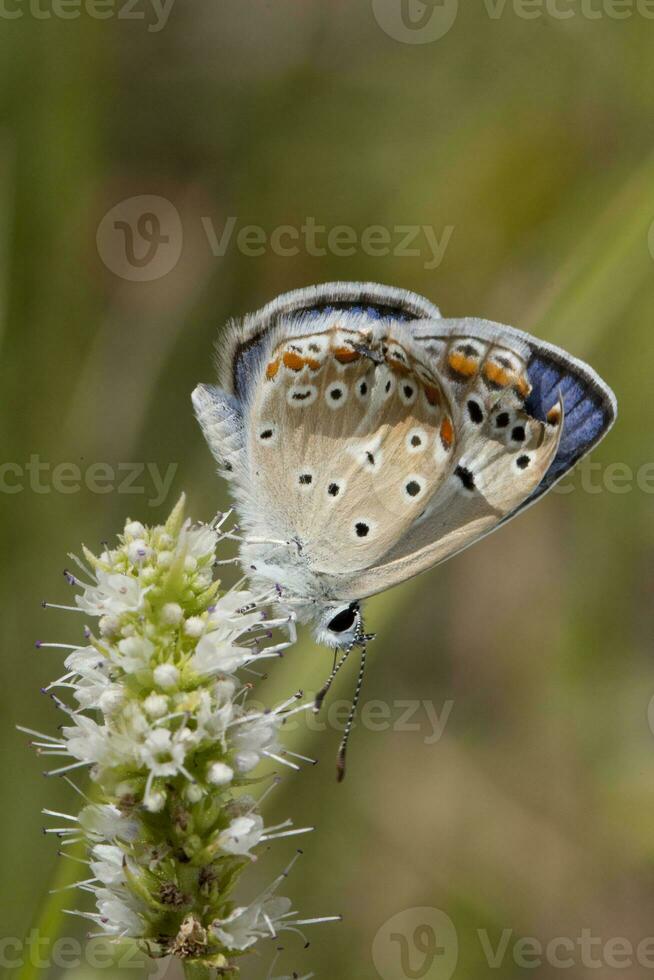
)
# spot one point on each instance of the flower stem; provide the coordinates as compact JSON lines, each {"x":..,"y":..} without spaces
{"x":50,"y":920}
{"x":195,"y":970}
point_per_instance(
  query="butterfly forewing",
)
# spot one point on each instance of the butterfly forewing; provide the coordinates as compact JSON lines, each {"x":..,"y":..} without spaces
{"x":350,"y":437}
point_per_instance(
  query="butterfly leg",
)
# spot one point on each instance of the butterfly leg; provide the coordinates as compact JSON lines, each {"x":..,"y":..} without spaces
{"x":289,"y":622}
{"x":232,"y":536}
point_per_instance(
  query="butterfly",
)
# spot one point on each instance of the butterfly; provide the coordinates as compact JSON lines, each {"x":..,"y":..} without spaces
{"x":366,"y":439}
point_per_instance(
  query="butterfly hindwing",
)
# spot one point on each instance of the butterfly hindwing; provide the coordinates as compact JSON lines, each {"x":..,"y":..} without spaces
{"x":551,"y":409}
{"x":589,"y":408}
{"x":221,"y":421}
{"x":547,"y":374}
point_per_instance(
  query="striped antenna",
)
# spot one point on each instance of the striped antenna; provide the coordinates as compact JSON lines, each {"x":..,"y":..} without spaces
{"x":340,"y":762}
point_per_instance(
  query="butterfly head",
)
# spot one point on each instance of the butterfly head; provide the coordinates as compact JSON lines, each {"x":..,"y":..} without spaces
{"x":341,"y":626}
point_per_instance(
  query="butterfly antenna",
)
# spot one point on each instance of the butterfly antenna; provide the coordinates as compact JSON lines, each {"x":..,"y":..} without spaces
{"x":340,"y":762}
{"x":324,"y":690}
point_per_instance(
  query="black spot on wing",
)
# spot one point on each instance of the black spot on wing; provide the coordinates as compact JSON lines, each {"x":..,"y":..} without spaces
{"x":466,"y":477}
{"x":475,"y":412}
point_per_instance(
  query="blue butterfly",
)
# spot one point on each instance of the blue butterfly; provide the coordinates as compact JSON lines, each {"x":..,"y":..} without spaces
{"x":366,"y":439}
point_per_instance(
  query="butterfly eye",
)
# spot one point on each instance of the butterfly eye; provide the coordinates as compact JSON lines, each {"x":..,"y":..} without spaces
{"x":344,"y":620}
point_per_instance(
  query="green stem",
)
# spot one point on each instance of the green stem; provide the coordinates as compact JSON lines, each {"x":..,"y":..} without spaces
{"x":194,"y":970}
{"x":51,"y":917}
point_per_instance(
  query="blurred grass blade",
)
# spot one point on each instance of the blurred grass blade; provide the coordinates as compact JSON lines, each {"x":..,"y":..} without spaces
{"x":51,"y":916}
{"x":610,"y":265}
{"x":6,"y":222}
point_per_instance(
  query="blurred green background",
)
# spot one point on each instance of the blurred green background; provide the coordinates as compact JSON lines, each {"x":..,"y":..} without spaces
{"x":530,"y":138}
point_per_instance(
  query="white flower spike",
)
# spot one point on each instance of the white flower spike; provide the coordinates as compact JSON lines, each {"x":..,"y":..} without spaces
{"x":160,"y":723}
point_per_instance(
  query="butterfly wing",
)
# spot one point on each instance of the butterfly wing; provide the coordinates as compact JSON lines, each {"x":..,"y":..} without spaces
{"x":244,"y":351}
{"x":382,"y":438}
{"x":348,"y":437}
{"x":546,"y":408}
{"x":246,"y":346}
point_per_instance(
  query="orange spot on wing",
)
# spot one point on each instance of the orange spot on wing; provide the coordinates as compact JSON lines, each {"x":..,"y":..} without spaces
{"x":497,"y":375}
{"x":447,"y":433}
{"x":293,"y":361}
{"x":522,"y":386}
{"x":345,"y":355}
{"x":554,"y":415}
{"x":312,"y":363}
{"x":432,"y":394}
{"x":272,"y":369}
{"x":398,"y":367}
{"x":460,"y":364}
